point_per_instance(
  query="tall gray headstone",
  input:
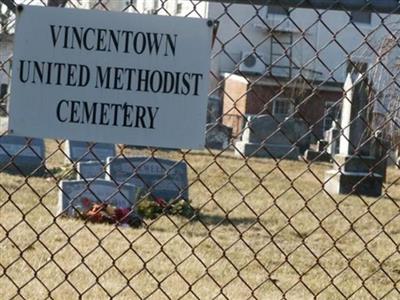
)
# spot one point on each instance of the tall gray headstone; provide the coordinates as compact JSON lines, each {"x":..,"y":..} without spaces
{"x":354,"y":118}
{"x":86,"y":151}
{"x":73,"y":194}
{"x":380,"y":151}
{"x":266,"y":137}
{"x":354,"y":170}
{"x":22,"y":155}
{"x":161,"y":177}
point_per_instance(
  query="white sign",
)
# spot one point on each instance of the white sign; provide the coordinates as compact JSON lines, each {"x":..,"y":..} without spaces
{"x":110,"y":77}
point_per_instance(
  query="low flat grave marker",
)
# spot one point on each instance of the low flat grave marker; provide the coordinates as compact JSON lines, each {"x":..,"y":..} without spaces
{"x":22,"y":155}
{"x":90,"y":169}
{"x":73,"y":194}
{"x":164,"y":178}
{"x":86,"y":151}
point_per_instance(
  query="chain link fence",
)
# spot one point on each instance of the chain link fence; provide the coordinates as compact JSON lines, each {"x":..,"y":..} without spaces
{"x":295,"y":196}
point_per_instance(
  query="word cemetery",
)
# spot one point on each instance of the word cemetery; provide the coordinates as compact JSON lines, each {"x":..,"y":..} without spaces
{"x":106,"y":114}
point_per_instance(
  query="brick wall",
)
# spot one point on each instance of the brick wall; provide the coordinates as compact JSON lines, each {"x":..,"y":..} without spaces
{"x":313,"y":109}
{"x":234,"y":99}
{"x":241,"y":98}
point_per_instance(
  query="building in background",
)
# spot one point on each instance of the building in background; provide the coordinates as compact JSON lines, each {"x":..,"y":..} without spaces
{"x":6,"y":44}
{"x":386,"y":83}
{"x":267,"y":59}
{"x":287,"y":62}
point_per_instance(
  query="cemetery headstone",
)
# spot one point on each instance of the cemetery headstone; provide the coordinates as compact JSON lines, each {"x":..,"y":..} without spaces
{"x":86,"y":151}
{"x":380,"y":150}
{"x":298,"y":131}
{"x":319,"y":153}
{"x":354,"y":168}
{"x":332,"y":137}
{"x":161,"y":177}
{"x":22,"y":155}
{"x":90,"y":169}
{"x":218,"y":136}
{"x":321,"y":145}
{"x":266,"y":137}
{"x":74,"y":195}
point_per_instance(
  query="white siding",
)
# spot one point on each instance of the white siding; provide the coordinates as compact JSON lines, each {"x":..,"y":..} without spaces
{"x":329,"y":41}
{"x":5,"y":54}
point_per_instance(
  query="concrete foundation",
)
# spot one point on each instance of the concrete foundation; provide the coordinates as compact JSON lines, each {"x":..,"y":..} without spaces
{"x":353,"y":183}
{"x":312,"y":155}
{"x":354,"y":163}
{"x":266,"y":150}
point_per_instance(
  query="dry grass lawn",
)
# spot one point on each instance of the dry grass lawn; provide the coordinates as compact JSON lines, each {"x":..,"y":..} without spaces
{"x":264,"y":231}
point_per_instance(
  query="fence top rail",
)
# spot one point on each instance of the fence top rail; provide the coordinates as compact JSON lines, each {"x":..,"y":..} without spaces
{"x":377,"y":6}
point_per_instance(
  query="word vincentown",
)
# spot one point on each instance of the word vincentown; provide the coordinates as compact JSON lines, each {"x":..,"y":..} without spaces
{"x":110,"y":40}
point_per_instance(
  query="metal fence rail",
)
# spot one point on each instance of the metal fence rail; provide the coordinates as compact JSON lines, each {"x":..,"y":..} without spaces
{"x":295,"y":196}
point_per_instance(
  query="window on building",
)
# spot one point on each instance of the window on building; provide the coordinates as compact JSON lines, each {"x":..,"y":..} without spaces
{"x":277,"y":10}
{"x":150,"y":7}
{"x":178,"y":8}
{"x":361,"y":17}
{"x":281,"y":54}
{"x":282,"y":107}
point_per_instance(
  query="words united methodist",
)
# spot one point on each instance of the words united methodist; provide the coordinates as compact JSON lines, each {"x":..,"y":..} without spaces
{"x":107,"y":77}
{"x":142,"y":72}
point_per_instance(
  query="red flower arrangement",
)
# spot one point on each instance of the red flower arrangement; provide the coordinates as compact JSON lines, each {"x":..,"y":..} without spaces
{"x":108,"y":213}
{"x":161,"y":202}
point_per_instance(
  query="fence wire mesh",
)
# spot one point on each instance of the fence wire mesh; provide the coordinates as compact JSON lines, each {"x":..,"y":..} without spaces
{"x":288,"y":200}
